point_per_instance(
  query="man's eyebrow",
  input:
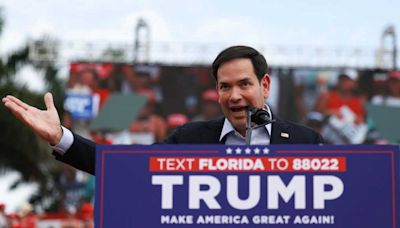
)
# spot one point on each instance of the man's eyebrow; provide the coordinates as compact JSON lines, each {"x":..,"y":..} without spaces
{"x":244,"y":80}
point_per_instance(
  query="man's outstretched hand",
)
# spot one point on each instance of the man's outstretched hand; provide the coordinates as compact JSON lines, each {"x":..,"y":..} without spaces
{"x":45,"y":123}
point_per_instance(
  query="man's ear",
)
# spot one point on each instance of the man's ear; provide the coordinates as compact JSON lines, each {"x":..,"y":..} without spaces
{"x":265,"y":85}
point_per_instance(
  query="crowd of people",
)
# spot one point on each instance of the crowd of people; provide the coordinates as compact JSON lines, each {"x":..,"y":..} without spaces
{"x":167,"y":105}
{"x":332,"y":102}
{"x":26,"y":217}
{"x":341,"y":115}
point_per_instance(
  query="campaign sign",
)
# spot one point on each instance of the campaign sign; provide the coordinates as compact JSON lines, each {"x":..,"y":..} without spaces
{"x":248,"y":186}
{"x":82,"y":106}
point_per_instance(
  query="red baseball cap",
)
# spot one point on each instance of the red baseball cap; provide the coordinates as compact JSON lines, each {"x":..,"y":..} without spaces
{"x":176,"y":119}
{"x":210,"y":95}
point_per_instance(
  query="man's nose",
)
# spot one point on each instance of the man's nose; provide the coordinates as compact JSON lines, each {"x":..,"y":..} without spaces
{"x":236,"y":95}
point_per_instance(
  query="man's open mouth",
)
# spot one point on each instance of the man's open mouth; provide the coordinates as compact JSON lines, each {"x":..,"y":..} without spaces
{"x":238,"y":109}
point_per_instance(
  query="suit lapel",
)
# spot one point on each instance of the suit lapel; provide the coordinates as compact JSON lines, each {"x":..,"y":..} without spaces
{"x":212,"y":135}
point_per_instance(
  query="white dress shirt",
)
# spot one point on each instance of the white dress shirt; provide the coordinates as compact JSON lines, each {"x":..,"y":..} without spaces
{"x":259,"y":136}
{"x":65,"y":143}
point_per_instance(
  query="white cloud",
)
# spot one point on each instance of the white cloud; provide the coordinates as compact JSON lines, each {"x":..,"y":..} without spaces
{"x":30,"y":78}
{"x":41,"y":26}
{"x":123,"y":30}
{"x":160,"y":31}
{"x":14,"y":198}
{"x":229,"y":30}
{"x":11,"y":41}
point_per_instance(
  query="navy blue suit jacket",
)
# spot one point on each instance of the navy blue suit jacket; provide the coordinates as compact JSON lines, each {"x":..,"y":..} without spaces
{"x":82,"y":154}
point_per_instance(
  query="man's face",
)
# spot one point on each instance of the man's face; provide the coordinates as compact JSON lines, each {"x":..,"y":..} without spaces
{"x":238,"y":87}
{"x":347,"y":85}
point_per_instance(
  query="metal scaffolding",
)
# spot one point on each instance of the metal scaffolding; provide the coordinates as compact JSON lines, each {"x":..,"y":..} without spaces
{"x":191,"y":53}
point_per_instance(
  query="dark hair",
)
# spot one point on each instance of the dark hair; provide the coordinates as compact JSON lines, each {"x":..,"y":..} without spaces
{"x":342,"y":77}
{"x":235,"y":52}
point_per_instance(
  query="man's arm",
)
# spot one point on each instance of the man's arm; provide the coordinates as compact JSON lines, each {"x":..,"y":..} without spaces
{"x":81,"y":154}
{"x":69,"y":148}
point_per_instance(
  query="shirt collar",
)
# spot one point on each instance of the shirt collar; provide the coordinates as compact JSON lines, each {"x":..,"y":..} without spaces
{"x":228,"y":128}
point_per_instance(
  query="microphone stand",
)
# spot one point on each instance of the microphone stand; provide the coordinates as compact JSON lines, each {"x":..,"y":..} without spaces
{"x":248,"y":126}
{"x":260,"y":118}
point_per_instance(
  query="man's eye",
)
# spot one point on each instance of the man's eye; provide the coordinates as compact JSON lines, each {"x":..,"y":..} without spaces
{"x":245,"y":84}
{"x":223,"y":86}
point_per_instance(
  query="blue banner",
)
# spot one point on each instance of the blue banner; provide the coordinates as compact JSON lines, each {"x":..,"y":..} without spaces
{"x":248,"y":186}
{"x":82,"y":106}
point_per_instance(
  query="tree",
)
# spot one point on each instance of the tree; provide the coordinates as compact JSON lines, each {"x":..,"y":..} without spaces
{"x":21,"y":150}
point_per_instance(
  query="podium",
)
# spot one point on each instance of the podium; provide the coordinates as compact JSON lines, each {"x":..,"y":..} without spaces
{"x":248,"y":186}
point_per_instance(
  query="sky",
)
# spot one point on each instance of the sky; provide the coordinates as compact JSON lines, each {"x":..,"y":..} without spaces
{"x":347,"y":24}
{"x":270,"y":22}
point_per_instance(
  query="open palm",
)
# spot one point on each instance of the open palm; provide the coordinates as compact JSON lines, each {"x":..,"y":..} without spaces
{"x":45,"y":123}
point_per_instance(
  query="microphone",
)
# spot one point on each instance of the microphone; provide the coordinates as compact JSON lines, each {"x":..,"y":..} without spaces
{"x":260,"y":116}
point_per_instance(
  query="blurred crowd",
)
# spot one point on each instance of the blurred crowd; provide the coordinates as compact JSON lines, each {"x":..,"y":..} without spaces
{"x":174,"y":96}
{"x":26,"y":217}
{"x":351,"y":107}
{"x":338,"y":103}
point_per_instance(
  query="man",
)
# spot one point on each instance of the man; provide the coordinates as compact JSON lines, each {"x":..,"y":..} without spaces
{"x":344,"y":94}
{"x":242,"y":82}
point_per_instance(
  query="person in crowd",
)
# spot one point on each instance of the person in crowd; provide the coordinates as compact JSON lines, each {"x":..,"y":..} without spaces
{"x":137,"y":78}
{"x":242,"y":79}
{"x":344,"y":94}
{"x":147,"y":121}
{"x":344,"y":111}
{"x":175,"y":120}
{"x":209,"y":109}
{"x":391,"y":97}
{"x":86,"y":82}
{"x":15,"y":220}
{"x":316,"y":121}
{"x":86,"y":214}
{"x":27,"y":215}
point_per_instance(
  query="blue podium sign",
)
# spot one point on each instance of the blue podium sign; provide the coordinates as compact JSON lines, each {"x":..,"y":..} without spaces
{"x":248,"y":186}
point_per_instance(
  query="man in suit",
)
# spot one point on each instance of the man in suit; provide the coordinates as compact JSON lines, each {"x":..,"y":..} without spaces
{"x":242,"y":82}
{"x":242,"y":78}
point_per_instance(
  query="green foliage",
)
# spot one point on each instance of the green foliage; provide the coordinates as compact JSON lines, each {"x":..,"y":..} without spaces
{"x":10,"y":66}
{"x":1,"y":20}
{"x":20,"y":147}
{"x":21,"y":150}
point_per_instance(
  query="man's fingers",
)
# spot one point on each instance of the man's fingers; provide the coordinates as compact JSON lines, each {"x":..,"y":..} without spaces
{"x":48,"y":100}
{"x":17,"y":101}
{"x":18,"y":111}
